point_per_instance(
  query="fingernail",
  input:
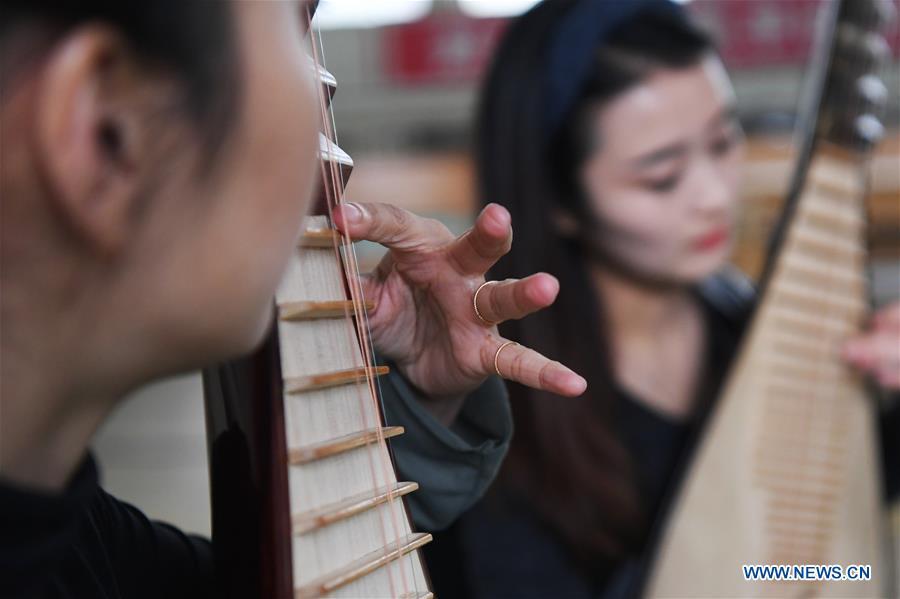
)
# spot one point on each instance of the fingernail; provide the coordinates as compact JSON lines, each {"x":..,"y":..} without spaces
{"x":571,"y":382}
{"x":580,"y":385}
{"x":352,"y":213}
{"x":501,"y":216}
{"x":550,"y":285}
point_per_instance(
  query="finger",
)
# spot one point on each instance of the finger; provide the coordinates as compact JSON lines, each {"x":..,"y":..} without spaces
{"x":886,"y":348}
{"x":888,"y":316}
{"x":890,"y":380}
{"x":528,"y":367}
{"x":485,"y":243}
{"x":877,"y":353}
{"x":857,"y":352}
{"x":390,"y":226}
{"x":516,"y":298}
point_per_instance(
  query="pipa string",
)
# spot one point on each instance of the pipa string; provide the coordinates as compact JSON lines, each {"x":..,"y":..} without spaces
{"x":332,"y":190}
{"x":334,"y":186}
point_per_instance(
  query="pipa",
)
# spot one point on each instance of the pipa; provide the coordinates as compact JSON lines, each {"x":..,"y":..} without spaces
{"x":305,"y":500}
{"x":787,"y":471}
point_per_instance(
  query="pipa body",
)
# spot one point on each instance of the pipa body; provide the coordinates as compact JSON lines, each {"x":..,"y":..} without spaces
{"x":787,"y":471}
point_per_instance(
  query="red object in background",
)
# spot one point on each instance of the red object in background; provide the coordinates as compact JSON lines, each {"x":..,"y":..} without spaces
{"x":442,"y":48}
{"x":760,"y":33}
{"x":449,"y":47}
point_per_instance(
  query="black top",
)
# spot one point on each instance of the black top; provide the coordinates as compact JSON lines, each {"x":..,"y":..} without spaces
{"x":84,"y":543}
{"x":500,"y":548}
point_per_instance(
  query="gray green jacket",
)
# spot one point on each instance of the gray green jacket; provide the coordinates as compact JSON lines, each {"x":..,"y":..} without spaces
{"x":453,"y":465}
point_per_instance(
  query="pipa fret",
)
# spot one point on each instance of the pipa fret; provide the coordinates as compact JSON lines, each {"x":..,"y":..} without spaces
{"x":787,"y":317}
{"x":320,"y":238}
{"x":789,"y":503}
{"x":340,"y":510}
{"x":811,"y":375}
{"x":801,"y":518}
{"x":799,"y":472}
{"x":842,"y":220}
{"x":814,"y":244}
{"x":362,"y":566}
{"x":801,"y":347}
{"x":303,"y":384}
{"x":815,"y":274}
{"x":311,"y":310}
{"x":829,"y":302}
{"x":796,"y":444}
{"x":792,"y":391}
{"x":832,"y":180}
{"x":326,"y":449}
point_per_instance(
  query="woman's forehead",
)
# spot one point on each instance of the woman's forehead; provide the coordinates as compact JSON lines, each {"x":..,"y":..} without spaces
{"x":668,"y":107}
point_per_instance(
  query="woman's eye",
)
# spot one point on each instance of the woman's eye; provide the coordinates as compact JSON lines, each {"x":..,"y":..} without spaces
{"x":721,"y":146}
{"x":725,"y":143}
{"x":663,"y":185}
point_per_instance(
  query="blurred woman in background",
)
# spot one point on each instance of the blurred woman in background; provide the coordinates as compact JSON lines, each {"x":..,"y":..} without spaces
{"x":609,"y":131}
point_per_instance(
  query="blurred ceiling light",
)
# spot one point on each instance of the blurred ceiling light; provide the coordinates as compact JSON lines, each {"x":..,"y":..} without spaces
{"x":361,"y":14}
{"x":495,"y":8}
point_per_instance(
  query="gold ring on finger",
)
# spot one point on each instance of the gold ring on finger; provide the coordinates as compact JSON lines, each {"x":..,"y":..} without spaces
{"x":484,"y":320}
{"x":497,"y":357}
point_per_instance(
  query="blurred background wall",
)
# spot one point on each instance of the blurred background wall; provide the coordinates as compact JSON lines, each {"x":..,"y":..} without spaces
{"x":408,"y":73}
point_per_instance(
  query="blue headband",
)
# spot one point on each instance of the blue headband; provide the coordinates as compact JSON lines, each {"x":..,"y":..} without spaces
{"x":581,"y":31}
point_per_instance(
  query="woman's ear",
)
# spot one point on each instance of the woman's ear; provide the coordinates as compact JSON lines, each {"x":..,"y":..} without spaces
{"x":87,"y":126}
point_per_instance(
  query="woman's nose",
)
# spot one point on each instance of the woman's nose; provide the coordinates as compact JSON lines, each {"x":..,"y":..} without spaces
{"x":715,"y":189}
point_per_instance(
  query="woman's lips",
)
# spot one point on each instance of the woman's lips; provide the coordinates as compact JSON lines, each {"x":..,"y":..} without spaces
{"x":711,"y":240}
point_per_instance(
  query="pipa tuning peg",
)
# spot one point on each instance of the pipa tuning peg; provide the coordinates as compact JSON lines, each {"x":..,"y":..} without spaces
{"x":853,"y":94}
{"x":311,"y":6}
{"x":861,"y":45}
{"x":309,"y":10}
{"x":849,"y":112}
{"x":886,"y":11}
{"x":872,"y":90}
{"x":868,"y":14}
{"x":326,"y":80}
{"x":868,"y":129}
{"x":859,"y":133}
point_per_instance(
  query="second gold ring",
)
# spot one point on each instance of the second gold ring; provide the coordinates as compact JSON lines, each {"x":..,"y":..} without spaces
{"x":497,"y":357}
{"x":483,"y":320}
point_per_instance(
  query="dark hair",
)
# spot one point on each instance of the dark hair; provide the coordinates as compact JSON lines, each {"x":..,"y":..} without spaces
{"x":192,"y":40}
{"x":566,"y":459}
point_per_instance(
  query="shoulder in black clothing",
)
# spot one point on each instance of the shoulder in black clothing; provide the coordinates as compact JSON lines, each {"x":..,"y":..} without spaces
{"x":85,"y":543}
